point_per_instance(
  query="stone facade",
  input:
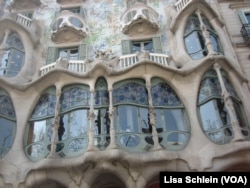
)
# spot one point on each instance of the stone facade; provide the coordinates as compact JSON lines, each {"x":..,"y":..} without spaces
{"x":113,"y":63}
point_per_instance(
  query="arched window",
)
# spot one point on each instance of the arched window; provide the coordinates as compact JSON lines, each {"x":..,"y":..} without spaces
{"x":40,"y":126}
{"x":12,"y":54}
{"x":197,"y":32}
{"x":74,"y":124}
{"x":214,"y":116}
{"x":131,"y":116}
{"x":102,"y":121}
{"x":7,"y":123}
{"x":171,"y":123}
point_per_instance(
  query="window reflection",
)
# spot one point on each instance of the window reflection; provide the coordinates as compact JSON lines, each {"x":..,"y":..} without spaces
{"x":73,"y":128}
{"x":6,"y":135}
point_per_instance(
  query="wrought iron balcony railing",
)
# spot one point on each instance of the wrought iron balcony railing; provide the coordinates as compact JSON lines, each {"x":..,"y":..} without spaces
{"x":245,"y":32}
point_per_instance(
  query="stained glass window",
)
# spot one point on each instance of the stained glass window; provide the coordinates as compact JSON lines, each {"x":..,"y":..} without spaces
{"x":131,"y":116}
{"x":7,"y":123}
{"x":74,"y":124}
{"x":131,"y":92}
{"x":40,"y":126}
{"x":73,"y":97}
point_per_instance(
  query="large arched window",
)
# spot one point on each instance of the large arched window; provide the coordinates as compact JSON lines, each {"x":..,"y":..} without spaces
{"x":197,"y":32}
{"x":214,"y":116}
{"x":11,"y":54}
{"x":74,"y":124}
{"x":131,"y":116}
{"x":40,"y":126}
{"x":7,"y":123}
{"x":102,"y":121}
{"x":171,"y":120}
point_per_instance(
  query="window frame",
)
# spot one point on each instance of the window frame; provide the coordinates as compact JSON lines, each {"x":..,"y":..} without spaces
{"x":126,"y":45}
{"x":53,"y":52}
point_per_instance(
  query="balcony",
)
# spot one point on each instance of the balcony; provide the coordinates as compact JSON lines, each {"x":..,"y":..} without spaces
{"x":23,"y":20}
{"x":31,"y":26}
{"x":125,"y":61}
{"x":68,"y":27}
{"x":181,"y":4}
{"x":245,"y":32}
{"x":140,"y":19}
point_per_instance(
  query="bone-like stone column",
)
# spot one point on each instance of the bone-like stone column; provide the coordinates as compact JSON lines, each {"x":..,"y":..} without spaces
{"x":229,"y":106}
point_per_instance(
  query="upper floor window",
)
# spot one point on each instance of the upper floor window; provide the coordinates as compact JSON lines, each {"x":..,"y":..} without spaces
{"x":152,"y":45}
{"x":27,"y":14}
{"x":67,"y":53}
{"x":7,"y":123}
{"x":12,"y":54}
{"x":76,"y":10}
{"x":198,"y":30}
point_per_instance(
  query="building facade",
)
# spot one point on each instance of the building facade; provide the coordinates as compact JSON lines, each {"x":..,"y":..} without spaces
{"x":108,"y":93}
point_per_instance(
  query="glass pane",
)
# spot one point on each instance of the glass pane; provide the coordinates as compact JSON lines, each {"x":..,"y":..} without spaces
{"x":247,"y":15}
{"x":175,"y":120}
{"x":193,"y":45}
{"x":74,"y":97}
{"x":76,"y":22}
{"x":214,"y":115}
{"x":6,"y":107}
{"x":136,"y":47}
{"x":6,"y":134}
{"x":210,"y":87}
{"x":77,"y":145}
{"x":148,"y":46}
{"x":63,"y":54}
{"x":102,"y":128}
{"x":128,"y":119}
{"x":45,"y":106}
{"x":130,"y":140}
{"x":4,"y":62}
{"x":215,"y":43}
{"x":73,"y":124}
{"x":144,"y":118}
{"x":159,"y":120}
{"x":130,"y":93}
{"x":37,"y":131}
{"x":101,"y":97}
{"x":15,"y":62}
{"x":73,"y":54}
{"x":163,"y":95}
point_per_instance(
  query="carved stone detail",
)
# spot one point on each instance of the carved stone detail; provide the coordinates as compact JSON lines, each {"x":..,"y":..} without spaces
{"x":140,"y":19}
{"x":68,"y":27}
